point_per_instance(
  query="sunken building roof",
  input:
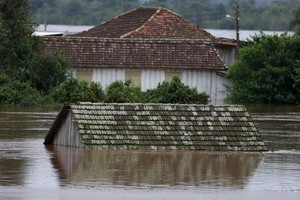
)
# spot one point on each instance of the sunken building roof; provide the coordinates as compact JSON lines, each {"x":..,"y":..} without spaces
{"x":137,"y":52}
{"x":148,"y":22}
{"x":156,"y":127}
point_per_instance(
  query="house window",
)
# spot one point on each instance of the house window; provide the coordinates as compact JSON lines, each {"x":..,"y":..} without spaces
{"x":169,"y":75}
{"x":134,"y":77}
{"x":84,"y":75}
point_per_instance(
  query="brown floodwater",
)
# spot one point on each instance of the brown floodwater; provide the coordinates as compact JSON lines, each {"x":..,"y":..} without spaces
{"x":30,"y":170}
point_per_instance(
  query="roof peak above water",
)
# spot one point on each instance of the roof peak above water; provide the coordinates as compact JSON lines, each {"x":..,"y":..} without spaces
{"x":148,"y":22}
{"x":130,"y":126}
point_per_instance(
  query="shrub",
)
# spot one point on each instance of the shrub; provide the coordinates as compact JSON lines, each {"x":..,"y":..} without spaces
{"x":14,"y":92}
{"x":175,"y":92}
{"x":120,"y":92}
{"x":73,"y":90}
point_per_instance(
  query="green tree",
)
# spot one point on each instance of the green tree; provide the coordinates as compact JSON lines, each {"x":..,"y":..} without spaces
{"x":21,"y":53}
{"x":73,"y":90}
{"x":17,"y":43}
{"x":14,"y":92}
{"x":295,"y":22}
{"x":47,"y":71}
{"x":175,"y":92}
{"x":267,"y":71}
{"x":120,"y":92}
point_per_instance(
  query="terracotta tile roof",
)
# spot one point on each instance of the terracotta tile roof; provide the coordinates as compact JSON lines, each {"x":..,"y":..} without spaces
{"x":120,"y":25}
{"x":136,"y":53}
{"x":163,"y":127}
{"x":149,"y":22}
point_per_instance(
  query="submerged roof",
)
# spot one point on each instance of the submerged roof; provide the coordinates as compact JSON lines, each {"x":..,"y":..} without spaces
{"x":137,"y":53}
{"x":162,"y":127}
{"x":148,"y":22}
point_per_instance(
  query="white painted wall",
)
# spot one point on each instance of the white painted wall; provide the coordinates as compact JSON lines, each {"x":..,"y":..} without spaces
{"x":107,"y":76}
{"x":151,"y":77}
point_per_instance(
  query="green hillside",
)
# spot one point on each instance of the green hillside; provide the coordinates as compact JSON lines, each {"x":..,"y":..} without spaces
{"x":254,"y":14}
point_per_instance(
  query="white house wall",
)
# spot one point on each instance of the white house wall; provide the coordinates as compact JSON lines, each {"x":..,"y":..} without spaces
{"x":222,"y":89}
{"x":208,"y":81}
{"x":151,"y":77}
{"x":204,"y":80}
{"x":107,"y":76}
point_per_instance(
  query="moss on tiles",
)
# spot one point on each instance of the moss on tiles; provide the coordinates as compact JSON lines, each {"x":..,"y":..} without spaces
{"x":163,"y":127}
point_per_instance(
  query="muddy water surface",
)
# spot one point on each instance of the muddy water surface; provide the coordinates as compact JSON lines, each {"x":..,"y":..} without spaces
{"x":29,"y":170}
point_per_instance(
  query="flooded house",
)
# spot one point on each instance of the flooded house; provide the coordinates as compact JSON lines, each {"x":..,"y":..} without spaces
{"x":146,"y":62}
{"x":147,"y":46}
{"x":122,"y":126}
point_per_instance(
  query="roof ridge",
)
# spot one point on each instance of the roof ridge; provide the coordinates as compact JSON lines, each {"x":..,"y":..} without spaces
{"x":158,"y":10}
{"x":118,"y":16}
{"x":157,"y":104}
{"x":203,"y":41}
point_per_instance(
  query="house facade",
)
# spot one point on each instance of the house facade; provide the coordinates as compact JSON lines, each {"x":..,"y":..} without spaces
{"x":146,"y":62}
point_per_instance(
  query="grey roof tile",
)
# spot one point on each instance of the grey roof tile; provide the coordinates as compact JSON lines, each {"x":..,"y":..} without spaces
{"x":166,"y":127}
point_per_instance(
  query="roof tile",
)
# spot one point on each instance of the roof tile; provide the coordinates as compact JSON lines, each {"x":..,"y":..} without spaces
{"x":148,"y":22}
{"x":160,"y":126}
{"x":136,"y":53}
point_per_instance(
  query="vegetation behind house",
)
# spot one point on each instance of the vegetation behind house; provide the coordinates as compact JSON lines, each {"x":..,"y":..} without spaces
{"x":268,"y":71}
{"x":26,"y":71}
{"x":254,"y":15}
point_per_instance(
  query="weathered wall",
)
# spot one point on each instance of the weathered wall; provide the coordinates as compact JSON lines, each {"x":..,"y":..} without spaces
{"x":204,"y":80}
{"x":227,"y":54}
{"x":68,"y":134}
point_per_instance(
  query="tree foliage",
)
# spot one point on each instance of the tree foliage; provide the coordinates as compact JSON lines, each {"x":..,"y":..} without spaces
{"x":268,"y":71}
{"x":120,"y":92}
{"x":73,"y":90}
{"x":22,"y":58}
{"x":14,"y":92}
{"x":175,"y":92}
{"x":17,"y":47}
{"x":295,"y":22}
{"x":47,"y":71}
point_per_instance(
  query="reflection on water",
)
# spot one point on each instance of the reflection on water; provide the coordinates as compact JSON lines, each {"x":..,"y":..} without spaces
{"x":11,"y":171}
{"x":152,"y":169}
{"x":26,"y":163}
